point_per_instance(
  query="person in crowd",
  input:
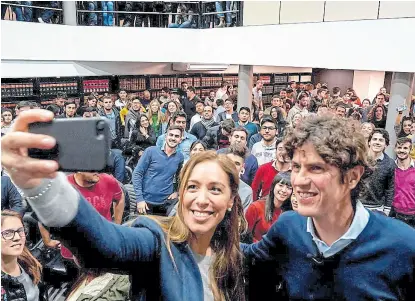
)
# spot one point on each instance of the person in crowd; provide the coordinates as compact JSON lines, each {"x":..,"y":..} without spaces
{"x":61,"y":98}
{"x":126,"y":109}
{"x":90,"y":112}
{"x":336,"y":91}
{"x":263,"y":213}
{"x":24,"y":14}
{"x":179,"y":119}
{"x":244,"y":115}
{"x":185,"y":18}
{"x":257,"y":116}
{"x":222,"y":90}
{"x":24,"y":106}
{"x":317,"y":100}
{"x":278,"y":118}
{"x":206,"y":178}
{"x":219,"y":103}
{"x":367,"y":129}
{"x":228,"y":113}
{"x":207,"y":121}
{"x":297,"y":119}
{"x":283,"y":95}
{"x":221,"y":15}
{"x":300,"y":106}
{"x":10,"y":196}
{"x":405,"y":128}
{"x":365,"y":103}
{"x":103,"y":192}
{"x":21,"y":272}
{"x":237,"y":153}
{"x":217,"y":137}
{"x":257,"y":92}
{"x":380,"y":99}
{"x":153,"y":176}
{"x":172,"y":107}
{"x":165,"y":96}
{"x":7,"y":123}
{"x":197,"y":147}
{"x":261,"y":185}
{"x":145,"y":101}
{"x":403,"y":206}
{"x":91,"y":102}
{"x":239,"y":135}
{"x":155,"y":116}
{"x":134,"y":112}
{"x":229,"y":92}
{"x":380,"y":192}
{"x":355,"y":99}
{"x":182,"y":91}
{"x":264,"y":150}
{"x":199,"y":106}
{"x":210,"y":100}
{"x":332,"y":226}
{"x":322,"y":110}
{"x":113,"y":116}
{"x":276,"y":102}
{"x":175,"y":96}
{"x":47,"y":14}
{"x":377,"y":116}
{"x":189,"y":104}
{"x":340,"y":110}
{"x":54,"y":109}
{"x":121,"y":102}
{"x":142,"y":137}
{"x":70,"y":110}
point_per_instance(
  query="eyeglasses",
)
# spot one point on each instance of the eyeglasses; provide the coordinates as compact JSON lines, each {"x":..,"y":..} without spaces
{"x":268,"y":128}
{"x":9,"y":234}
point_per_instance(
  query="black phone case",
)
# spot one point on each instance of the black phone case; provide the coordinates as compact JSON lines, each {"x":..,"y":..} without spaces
{"x":83,"y":144}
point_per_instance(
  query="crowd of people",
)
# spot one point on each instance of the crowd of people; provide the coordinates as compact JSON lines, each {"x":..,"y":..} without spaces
{"x":305,"y":183}
{"x":24,"y":11}
{"x":135,"y":13}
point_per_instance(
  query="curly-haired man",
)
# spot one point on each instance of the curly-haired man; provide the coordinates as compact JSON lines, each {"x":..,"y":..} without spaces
{"x":333,"y":248}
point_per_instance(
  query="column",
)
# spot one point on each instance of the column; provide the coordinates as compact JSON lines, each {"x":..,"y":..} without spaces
{"x":400,"y":94}
{"x":245,"y":84}
{"x":69,"y":13}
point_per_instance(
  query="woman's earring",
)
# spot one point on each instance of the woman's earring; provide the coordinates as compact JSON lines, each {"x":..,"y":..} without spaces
{"x":229,"y":209}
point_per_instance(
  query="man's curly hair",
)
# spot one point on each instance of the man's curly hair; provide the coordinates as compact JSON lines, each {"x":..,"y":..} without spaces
{"x":337,"y":141}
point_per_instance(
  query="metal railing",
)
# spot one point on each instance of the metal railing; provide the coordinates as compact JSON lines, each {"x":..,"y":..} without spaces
{"x":199,"y":14}
{"x":33,"y":13}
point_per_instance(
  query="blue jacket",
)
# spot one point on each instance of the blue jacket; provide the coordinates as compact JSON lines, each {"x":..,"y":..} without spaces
{"x":378,"y":265}
{"x":153,"y":176}
{"x":254,"y":139}
{"x":139,"y":250}
{"x":183,"y":147}
{"x":10,"y":197}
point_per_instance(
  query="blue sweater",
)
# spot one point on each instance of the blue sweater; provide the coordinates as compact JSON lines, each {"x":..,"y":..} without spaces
{"x":10,"y":197}
{"x":153,"y":176}
{"x":378,"y":265}
{"x":139,"y":250}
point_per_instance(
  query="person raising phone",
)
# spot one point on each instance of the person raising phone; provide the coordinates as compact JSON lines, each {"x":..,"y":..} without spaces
{"x":191,"y":256}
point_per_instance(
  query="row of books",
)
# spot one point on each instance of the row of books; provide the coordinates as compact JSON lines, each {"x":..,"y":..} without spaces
{"x":96,"y":85}
{"x":161,"y":82}
{"x":51,"y":88}
{"x":133,"y":84}
{"x":13,"y":90}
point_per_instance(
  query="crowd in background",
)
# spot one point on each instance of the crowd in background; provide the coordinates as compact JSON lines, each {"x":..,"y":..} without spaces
{"x":157,"y":136}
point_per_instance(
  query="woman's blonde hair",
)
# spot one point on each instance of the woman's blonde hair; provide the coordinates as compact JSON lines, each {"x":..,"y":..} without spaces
{"x":226,"y":272}
{"x":150,"y":113}
{"x":31,"y":265}
{"x":167,"y":115}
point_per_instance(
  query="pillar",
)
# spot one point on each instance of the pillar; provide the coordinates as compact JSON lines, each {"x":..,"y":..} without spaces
{"x":400,"y":94}
{"x":245,"y":85}
{"x":69,"y":13}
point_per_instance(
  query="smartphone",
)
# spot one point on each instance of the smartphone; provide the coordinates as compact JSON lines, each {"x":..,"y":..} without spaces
{"x":82,"y":144}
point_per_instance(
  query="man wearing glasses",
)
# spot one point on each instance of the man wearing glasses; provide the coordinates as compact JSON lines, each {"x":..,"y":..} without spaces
{"x":264,"y":150}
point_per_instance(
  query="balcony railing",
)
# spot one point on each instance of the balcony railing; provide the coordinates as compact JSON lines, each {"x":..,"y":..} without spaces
{"x":191,"y":14}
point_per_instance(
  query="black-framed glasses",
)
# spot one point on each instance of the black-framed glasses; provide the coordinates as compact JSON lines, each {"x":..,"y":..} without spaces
{"x":268,"y":128}
{"x":9,"y":234}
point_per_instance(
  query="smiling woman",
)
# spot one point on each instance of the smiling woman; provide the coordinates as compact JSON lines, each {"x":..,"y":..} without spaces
{"x":20,"y":271}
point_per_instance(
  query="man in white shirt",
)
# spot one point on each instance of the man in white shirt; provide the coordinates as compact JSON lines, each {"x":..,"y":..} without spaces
{"x":200,"y":105}
{"x":257,"y":91}
{"x":264,"y":150}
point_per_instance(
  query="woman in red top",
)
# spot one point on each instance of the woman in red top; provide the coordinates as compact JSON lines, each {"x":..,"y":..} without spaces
{"x":261,"y":214}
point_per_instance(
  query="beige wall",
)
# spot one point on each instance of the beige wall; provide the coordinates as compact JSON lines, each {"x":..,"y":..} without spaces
{"x":261,"y":12}
{"x":397,"y":9}
{"x":301,"y":11}
{"x":283,"y":12}
{"x":367,"y":83}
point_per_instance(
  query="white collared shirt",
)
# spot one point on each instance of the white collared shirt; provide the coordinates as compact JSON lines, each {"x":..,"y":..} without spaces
{"x":360,"y":220}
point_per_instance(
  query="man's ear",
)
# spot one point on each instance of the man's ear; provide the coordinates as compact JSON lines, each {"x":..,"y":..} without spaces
{"x":354,"y":176}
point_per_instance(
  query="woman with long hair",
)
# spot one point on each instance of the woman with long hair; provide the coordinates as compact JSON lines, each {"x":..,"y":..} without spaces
{"x":367,"y":129}
{"x":257,"y":117}
{"x":172,"y":107}
{"x":155,"y":116}
{"x":141,"y":137}
{"x":377,"y":116}
{"x":405,"y":127}
{"x":198,"y":147}
{"x":261,"y":214}
{"x":21,"y":273}
{"x":194,"y":255}
{"x":278,"y":116}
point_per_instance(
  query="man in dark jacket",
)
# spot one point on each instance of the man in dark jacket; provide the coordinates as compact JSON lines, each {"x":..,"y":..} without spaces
{"x":113,"y":116}
{"x":189,"y":104}
{"x":229,"y":112}
{"x":69,"y":110}
{"x":200,"y":128}
{"x":10,"y":197}
{"x":217,"y":137}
